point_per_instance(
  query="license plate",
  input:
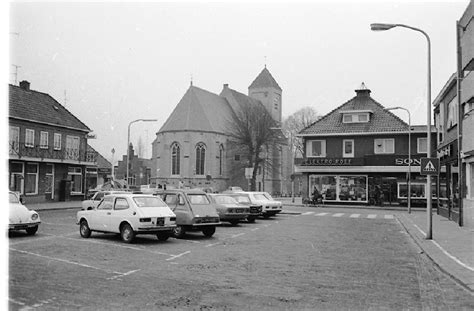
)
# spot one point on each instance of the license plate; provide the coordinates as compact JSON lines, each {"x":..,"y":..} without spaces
{"x":160,"y":221}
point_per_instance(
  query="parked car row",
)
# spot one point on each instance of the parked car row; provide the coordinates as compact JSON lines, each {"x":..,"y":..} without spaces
{"x":172,"y":212}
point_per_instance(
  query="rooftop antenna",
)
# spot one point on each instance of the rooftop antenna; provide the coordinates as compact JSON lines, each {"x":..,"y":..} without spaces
{"x":265,"y":57}
{"x":16,"y":73}
{"x":191,"y":79}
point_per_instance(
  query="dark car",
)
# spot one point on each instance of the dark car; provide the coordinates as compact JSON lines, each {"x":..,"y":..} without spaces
{"x":194,"y":211}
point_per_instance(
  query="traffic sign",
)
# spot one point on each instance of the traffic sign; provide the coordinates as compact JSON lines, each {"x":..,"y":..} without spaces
{"x":248,"y":172}
{"x":429,"y":166}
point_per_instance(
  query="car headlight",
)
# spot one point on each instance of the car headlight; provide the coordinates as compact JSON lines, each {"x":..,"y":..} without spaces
{"x":145,"y":219}
{"x":34,"y":216}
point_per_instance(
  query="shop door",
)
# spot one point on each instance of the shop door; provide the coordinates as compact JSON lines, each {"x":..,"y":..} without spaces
{"x":389,"y":190}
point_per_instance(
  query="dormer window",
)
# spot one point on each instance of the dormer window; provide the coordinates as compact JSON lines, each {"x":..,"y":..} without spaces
{"x":355,"y":117}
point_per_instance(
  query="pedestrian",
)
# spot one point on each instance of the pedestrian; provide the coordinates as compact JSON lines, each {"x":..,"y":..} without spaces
{"x":317,"y":197}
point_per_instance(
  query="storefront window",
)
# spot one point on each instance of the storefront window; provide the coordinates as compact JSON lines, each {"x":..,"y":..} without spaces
{"x":326,"y":186}
{"x":75,"y":174}
{"x":353,"y":188}
{"x":339,"y":188}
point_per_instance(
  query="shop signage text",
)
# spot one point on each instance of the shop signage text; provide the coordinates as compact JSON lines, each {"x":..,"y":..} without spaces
{"x":333,"y":161}
{"x":406,"y":161}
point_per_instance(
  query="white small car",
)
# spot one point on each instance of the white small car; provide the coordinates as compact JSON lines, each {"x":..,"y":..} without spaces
{"x":128,"y":214}
{"x":21,"y":218}
{"x":270,"y":207}
{"x":97,"y":197}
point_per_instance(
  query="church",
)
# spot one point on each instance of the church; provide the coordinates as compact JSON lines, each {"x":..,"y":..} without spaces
{"x":193,"y":148}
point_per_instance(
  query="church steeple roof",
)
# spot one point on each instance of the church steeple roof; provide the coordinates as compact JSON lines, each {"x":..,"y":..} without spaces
{"x":264,"y":79}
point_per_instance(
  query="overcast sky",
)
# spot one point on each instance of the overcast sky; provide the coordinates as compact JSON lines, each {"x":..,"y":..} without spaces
{"x":111,"y":63}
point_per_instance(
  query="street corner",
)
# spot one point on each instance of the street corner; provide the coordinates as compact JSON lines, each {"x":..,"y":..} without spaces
{"x":444,"y":249}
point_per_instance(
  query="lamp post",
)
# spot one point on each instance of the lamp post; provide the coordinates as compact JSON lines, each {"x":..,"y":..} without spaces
{"x":128,"y":143}
{"x":382,"y":27}
{"x":409,"y":155}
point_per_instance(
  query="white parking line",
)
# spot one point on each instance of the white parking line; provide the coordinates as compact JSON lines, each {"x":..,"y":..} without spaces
{"x":254,"y":229}
{"x":307,"y":213}
{"x":355,"y":216}
{"x":177,"y":256}
{"x":321,"y":214}
{"x":48,"y":236}
{"x":338,"y":215}
{"x":65,"y":261}
{"x":116,"y":245}
{"x":212,"y":244}
{"x":388,"y":217}
{"x":123,"y":274}
{"x":236,"y":235}
{"x":371,"y":216}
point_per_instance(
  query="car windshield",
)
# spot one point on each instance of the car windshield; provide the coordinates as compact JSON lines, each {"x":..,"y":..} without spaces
{"x":260,"y":197}
{"x":242,"y":199}
{"x":13,"y":198}
{"x":198,"y":199}
{"x":268,"y":196}
{"x":149,"y":201}
{"x":223,"y":199}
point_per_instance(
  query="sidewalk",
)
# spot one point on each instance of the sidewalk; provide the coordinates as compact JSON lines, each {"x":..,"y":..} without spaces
{"x":451,"y":247}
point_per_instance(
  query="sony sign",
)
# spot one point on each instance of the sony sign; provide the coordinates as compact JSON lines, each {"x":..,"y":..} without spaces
{"x":406,"y":161}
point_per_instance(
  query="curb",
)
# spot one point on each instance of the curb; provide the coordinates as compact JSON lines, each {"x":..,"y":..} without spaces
{"x":416,"y":240}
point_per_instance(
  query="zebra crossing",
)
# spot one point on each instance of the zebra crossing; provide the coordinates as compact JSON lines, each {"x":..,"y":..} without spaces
{"x":349,"y":215}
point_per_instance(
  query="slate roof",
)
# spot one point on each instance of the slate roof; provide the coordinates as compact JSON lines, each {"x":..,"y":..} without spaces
{"x":41,"y":107}
{"x":101,"y":161}
{"x":199,"y":110}
{"x":380,"y":120}
{"x":264,"y":79}
{"x":238,"y":100}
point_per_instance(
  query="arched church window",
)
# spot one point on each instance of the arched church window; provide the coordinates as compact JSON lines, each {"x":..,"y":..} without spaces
{"x":221,"y":159}
{"x":200,"y":158}
{"x":175,"y":159}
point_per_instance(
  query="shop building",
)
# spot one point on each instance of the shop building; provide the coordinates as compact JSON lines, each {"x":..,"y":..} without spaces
{"x":47,"y":147}
{"x":358,"y":154}
{"x":139,"y":169}
{"x":466,"y":102}
{"x":454,"y":122}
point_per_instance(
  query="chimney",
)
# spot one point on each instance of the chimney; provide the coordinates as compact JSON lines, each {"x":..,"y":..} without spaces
{"x":226,"y":85}
{"x":362,"y":91}
{"x":25,"y":85}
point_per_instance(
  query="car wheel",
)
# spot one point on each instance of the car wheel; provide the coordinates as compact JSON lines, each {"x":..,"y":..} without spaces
{"x":179,"y":232}
{"x":127,"y":234}
{"x":84,"y":229}
{"x":251,"y":219}
{"x":163,"y":236}
{"x":32,"y":230}
{"x":234,"y":222}
{"x":209,"y":231}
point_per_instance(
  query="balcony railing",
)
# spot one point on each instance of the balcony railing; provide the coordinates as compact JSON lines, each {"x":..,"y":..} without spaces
{"x":65,"y":154}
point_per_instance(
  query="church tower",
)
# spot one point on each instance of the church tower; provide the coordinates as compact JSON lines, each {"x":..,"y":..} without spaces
{"x":266,"y":89}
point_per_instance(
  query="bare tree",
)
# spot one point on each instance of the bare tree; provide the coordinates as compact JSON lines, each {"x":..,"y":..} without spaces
{"x":251,"y":130}
{"x":293,"y":124}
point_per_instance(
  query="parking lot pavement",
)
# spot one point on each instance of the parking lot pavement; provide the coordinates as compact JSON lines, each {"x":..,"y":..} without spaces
{"x":451,"y":247}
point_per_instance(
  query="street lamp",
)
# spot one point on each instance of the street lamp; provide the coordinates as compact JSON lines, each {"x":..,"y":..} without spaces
{"x":128,"y":143}
{"x":409,"y":155}
{"x":382,"y":27}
